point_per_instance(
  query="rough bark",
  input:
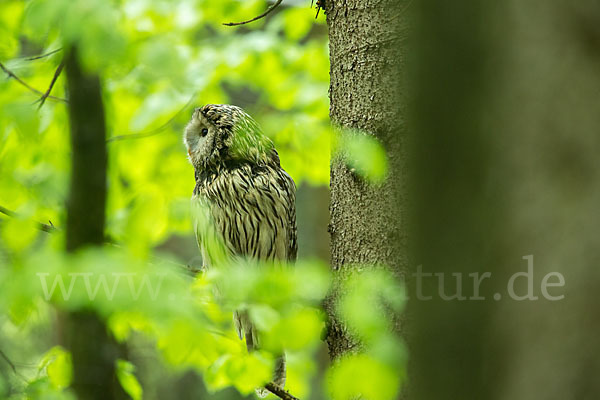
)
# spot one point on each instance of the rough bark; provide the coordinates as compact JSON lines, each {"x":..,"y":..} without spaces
{"x":506,"y":165}
{"x":93,"y":351}
{"x":364,"y":38}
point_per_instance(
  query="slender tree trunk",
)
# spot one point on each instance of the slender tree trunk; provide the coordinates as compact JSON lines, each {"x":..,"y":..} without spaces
{"x":364,"y":38}
{"x":93,"y":351}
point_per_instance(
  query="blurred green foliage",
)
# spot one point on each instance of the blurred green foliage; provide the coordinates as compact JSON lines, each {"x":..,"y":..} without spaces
{"x":369,"y":298}
{"x":362,"y":153}
{"x":158,"y":59}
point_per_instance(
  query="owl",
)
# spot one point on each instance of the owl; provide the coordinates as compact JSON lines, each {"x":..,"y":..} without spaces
{"x":243,"y":201}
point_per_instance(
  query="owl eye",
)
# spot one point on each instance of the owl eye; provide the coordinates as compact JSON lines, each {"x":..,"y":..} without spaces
{"x":204,"y":132}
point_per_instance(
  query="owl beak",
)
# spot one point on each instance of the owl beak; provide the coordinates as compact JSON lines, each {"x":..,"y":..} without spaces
{"x":190,"y":153}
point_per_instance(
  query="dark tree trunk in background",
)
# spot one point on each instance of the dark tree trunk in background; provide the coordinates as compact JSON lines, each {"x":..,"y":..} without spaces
{"x":93,"y":351}
{"x":507,"y":165}
{"x":455,"y":210}
{"x":364,"y":45}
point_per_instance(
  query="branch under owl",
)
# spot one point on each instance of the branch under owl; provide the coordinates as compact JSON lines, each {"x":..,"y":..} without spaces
{"x":279,"y":391}
{"x":267,"y":12}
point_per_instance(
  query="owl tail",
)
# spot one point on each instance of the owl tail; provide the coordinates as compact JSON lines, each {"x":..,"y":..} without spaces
{"x":245,"y":329}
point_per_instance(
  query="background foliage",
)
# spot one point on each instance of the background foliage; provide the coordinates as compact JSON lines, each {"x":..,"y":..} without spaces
{"x":158,"y":60}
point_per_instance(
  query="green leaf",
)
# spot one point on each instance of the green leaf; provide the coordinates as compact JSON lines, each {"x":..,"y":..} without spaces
{"x":245,"y":371}
{"x":128,"y":381}
{"x":297,"y":22}
{"x":360,"y":376}
{"x":18,"y":233}
{"x":263,"y":316}
{"x":59,"y":367}
{"x":298,"y":330}
{"x":364,"y":306}
{"x":364,"y":155}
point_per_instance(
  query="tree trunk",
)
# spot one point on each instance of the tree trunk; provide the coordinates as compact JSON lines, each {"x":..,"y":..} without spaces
{"x":506,"y":167}
{"x":364,"y":37}
{"x":93,"y":351}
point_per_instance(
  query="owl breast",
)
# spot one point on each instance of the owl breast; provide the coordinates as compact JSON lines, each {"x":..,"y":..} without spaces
{"x":247,"y":211}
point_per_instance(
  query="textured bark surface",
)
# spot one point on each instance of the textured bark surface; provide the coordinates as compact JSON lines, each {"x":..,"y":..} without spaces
{"x":93,"y":351}
{"x":365,"y":38}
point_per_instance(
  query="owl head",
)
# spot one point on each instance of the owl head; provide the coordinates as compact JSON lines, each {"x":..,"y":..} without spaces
{"x":219,"y":134}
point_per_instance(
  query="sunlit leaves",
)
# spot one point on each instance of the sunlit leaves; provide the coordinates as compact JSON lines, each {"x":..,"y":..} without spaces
{"x":17,"y":233}
{"x":365,"y":296}
{"x":297,"y":24}
{"x":10,"y":14}
{"x":152,"y":55}
{"x":127,"y":379}
{"x":274,"y":286}
{"x":58,"y":366}
{"x":296,"y":330}
{"x":363,"y":154}
{"x":100,"y":40}
{"x":245,"y":371}
{"x":361,"y":376}
{"x":367,"y":299}
{"x":43,"y":389}
{"x":41,"y":16}
{"x":123,"y":323}
{"x":161,"y":60}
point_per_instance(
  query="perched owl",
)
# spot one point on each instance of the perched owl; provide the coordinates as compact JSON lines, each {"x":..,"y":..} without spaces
{"x":244,"y":201}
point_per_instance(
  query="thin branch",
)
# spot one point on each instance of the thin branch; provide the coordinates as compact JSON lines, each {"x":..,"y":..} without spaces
{"x":43,"y":227}
{"x":279,"y":391}
{"x":7,"y":212}
{"x":12,"y":365}
{"x":52,"y":82}
{"x":156,"y":130}
{"x":22,"y":82}
{"x":44,"y":55}
{"x":278,"y":2}
{"x":318,"y":7}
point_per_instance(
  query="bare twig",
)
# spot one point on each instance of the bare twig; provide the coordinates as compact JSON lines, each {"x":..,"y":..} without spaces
{"x":22,"y":82}
{"x":278,"y":2}
{"x":44,"y":55}
{"x":52,"y":82}
{"x":12,"y":365}
{"x":7,"y":212}
{"x":318,"y":7}
{"x":43,"y":227}
{"x":279,"y":391}
{"x":156,"y":130}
